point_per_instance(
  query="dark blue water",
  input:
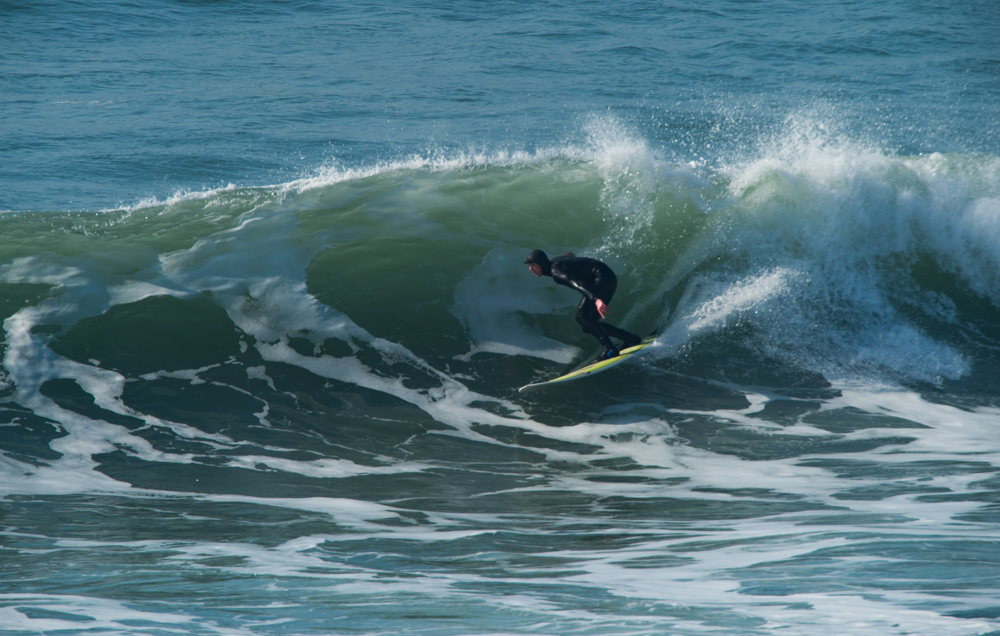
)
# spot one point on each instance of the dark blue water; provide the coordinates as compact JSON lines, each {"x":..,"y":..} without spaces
{"x":265,"y":316}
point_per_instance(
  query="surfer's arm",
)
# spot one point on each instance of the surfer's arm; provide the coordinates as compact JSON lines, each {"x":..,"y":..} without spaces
{"x":583,"y":275}
{"x":562,"y":278}
{"x":602,"y":307}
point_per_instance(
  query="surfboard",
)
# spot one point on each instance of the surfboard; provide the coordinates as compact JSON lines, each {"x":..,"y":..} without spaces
{"x":591,"y":369}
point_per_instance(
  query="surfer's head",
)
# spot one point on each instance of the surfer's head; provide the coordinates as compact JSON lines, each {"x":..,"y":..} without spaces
{"x":538,"y":263}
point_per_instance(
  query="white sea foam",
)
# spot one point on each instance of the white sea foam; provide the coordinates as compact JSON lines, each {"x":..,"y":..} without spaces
{"x":68,"y":612}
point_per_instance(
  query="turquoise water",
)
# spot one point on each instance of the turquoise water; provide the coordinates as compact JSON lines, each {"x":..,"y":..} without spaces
{"x":265,"y":317}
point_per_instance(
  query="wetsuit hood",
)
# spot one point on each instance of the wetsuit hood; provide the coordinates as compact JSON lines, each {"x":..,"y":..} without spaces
{"x":541,"y":258}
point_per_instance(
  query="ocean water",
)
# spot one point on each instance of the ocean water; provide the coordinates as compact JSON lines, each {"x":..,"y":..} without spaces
{"x":265,"y":316}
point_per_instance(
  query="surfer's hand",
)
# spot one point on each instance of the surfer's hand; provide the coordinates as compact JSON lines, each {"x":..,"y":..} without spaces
{"x":602,"y":308}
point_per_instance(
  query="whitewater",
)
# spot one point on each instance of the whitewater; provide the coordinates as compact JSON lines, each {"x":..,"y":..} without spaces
{"x":265,"y":315}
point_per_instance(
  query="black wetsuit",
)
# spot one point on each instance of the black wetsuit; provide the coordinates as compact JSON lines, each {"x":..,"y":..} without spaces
{"x":594,"y":280}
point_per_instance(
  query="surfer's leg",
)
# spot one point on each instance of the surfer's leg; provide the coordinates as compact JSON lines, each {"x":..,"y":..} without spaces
{"x":628,"y":338}
{"x":606,"y":292}
{"x":589,"y":319}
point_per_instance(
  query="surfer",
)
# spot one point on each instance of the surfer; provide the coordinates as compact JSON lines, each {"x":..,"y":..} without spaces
{"x":597,"y":283}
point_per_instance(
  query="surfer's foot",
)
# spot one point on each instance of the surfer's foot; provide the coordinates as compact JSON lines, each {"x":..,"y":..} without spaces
{"x":631,"y":342}
{"x":609,"y":352}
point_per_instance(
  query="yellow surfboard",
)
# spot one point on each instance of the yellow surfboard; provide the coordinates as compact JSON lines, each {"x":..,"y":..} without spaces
{"x":591,"y":369}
